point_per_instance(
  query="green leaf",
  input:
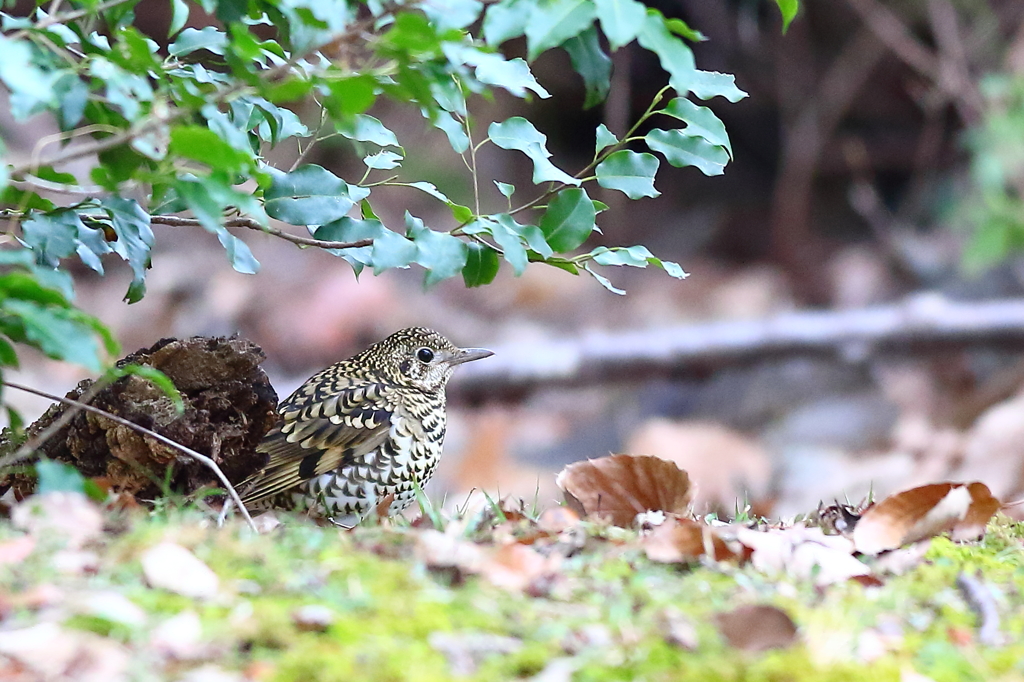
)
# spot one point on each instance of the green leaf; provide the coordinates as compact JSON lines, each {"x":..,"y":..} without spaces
{"x":60,"y":333}
{"x":507,"y":238}
{"x":363,"y":128}
{"x":208,"y":207}
{"x":206,"y":38}
{"x":568,"y":220}
{"x":708,"y":84}
{"x":789,"y":9}
{"x":462,"y":214}
{"x":430,"y":189}
{"x":440,"y":253}
{"x":675,"y":55}
{"x":179,"y":17}
{"x":384,"y":160}
{"x":681,"y":28}
{"x":531,"y":234}
{"x":155,"y":377}
{"x":682,"y":150}
{"x":506,"y":20}
{"x":553,"y":22}
{"x":310,"y":195}
{"x":677,"y":58}
{"x":519,"y":134}
{"x":8,"y":357}
{"x":590,"y":62}
{"x":134,"y":240}
{"x":620,"y":20}
{"x":700,"y":122}
{"x":513,"y":75}
{"x":449,"y":14}
{"x":630,"y":173}
{"x":457,"y":137}
{"x":57,"y":477}
{"x":52,"y":235}
{"x":350,"y":96}
{"x":604,"y":281}
{"x":349,"y":230}
{"x":637,"y":257}
{"x":392,"y":250}
{"x":605,"y":139}
{"x":482,"y":265}
{"x":207,"y":147}
{"x":506,"y":189}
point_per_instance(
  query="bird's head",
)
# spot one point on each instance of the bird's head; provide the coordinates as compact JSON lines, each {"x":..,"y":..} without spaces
{"x":422,"y":358}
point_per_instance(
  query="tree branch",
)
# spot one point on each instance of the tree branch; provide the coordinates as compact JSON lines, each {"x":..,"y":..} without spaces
{"x":922,"y":323}
{"x":201,"y":458}
{"x":249,"y":223}
{"x":64,"y":18}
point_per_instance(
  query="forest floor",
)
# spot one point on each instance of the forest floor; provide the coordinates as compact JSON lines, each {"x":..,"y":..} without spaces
{"x":496,"y":594}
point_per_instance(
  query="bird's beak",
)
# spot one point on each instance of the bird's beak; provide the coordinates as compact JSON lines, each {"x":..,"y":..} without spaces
{"x":469,"y":354}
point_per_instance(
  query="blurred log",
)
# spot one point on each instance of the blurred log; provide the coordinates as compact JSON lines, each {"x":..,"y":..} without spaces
{"x":920,"y":324}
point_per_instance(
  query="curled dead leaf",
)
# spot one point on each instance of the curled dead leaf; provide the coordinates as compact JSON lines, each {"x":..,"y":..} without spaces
{"x":684,"y":540}
{"x":803,"y":553}
{"x":923,"y":512}
{"x":619,"y":487}
{"x":757,"y":628}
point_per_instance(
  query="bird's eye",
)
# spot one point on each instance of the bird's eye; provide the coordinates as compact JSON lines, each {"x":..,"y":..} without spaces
{"x":424,"y":355}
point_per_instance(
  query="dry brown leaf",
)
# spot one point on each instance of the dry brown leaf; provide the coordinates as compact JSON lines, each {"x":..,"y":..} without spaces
{"x":683,"y":540}
{"x":515,"y":566}
{"x":757,"y":628}
{"x":619,"y":487}
{"x":924,"y":512}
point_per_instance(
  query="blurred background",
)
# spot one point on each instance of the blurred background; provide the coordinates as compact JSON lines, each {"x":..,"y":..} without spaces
{"x":879,"y":156}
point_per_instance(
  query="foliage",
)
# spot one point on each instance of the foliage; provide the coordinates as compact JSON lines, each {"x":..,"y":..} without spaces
{"x":996,"y":205}
{"x":184,"y":123}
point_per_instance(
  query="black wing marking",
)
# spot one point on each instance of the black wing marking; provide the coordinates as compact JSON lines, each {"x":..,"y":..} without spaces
{"x":319,"y":436}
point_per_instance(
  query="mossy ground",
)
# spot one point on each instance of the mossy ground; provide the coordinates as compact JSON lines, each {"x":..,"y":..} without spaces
{"x":604,"y":613}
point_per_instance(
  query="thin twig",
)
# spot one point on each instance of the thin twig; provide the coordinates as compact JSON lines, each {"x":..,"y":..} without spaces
{"x":34,"y":443}
{"x":64,"y":18}
{"x":249,"y":223}
{"x":201,"y":458}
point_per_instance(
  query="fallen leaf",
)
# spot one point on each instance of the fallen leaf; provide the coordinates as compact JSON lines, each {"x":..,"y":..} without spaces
{"x":56,"y":653}
{"x":69,"y":517}
{"x":757,"y":628}
{"x":802,"y":553}
{"x":438,"y":550}
{"x":515,"y":566}
{"x":684,"y":540}
{"x":172,"y":567}
{"x":619,"y":487}
{"x":924,"y":512}
{"x":180,"y":637}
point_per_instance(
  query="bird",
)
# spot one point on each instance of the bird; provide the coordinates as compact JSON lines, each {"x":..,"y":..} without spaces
{"x":362,"y":434}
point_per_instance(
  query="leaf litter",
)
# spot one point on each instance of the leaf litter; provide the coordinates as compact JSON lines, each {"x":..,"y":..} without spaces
{"x":546,"y":595}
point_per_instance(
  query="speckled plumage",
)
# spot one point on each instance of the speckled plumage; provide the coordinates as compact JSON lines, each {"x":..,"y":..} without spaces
{"x":361,"y":430}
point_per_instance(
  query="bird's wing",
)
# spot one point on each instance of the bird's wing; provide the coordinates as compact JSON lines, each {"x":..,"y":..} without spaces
{"x":320,"y":433}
